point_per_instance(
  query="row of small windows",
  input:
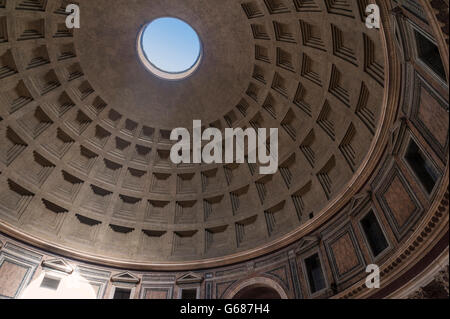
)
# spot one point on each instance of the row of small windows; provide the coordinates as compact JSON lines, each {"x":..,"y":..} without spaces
{"x":376,"y":239}
{"x":370,"y":225}
{"x":124,"y":293}
{"x":428,"y":176}
{"x":377,"y":242}
{"x":52,"y":283}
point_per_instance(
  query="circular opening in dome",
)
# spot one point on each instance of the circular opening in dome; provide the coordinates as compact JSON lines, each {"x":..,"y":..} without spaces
{"x":170,"y":48}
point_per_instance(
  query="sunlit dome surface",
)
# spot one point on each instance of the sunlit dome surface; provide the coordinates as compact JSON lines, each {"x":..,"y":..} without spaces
{"x":171,"y":45}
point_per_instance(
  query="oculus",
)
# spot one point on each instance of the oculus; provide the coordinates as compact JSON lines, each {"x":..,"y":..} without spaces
{"x":169,"y":48}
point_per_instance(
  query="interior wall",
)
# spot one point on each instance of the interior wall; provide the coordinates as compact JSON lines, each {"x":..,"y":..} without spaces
{"x":414,"y":219}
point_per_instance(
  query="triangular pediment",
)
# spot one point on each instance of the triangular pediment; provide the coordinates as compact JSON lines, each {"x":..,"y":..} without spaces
{"x":357,"y":201}
{"x":397,"y":132}
{"x":126,"y":277}
{"x":306,"y":242}
{"x":58,"y":264}
{"x":190,"y":278}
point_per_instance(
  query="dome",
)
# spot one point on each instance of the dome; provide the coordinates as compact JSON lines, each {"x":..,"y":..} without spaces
{"x":86,"y":119}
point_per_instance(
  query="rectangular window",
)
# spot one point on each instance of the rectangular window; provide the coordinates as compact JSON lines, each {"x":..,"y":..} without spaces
{"x":122,"y":293}
{"x":189,"y":294}
{"x":374,"y":234}
{"x":422,"y":167}
{"x":50,"y":283}
{"x":315,"y":273}
{"x":429,"y":54}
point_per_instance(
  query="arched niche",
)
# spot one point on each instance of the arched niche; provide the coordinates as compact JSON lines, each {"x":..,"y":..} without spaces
{"x":257,"y":288}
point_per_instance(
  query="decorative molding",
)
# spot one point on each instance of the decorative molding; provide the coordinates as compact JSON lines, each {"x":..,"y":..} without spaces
{"x":294,"y":274}
{"x":441,"y":149}
{"x":343,"y":257}
{"x":412,"y":250}
{"x":436,"y":289}
{"x":22,"y":262}
{"x":397,"y":131}
{"x":400,"y":231}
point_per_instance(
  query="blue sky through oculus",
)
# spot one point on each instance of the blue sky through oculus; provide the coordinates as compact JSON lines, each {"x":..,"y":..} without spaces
{"x":171,"y":45}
